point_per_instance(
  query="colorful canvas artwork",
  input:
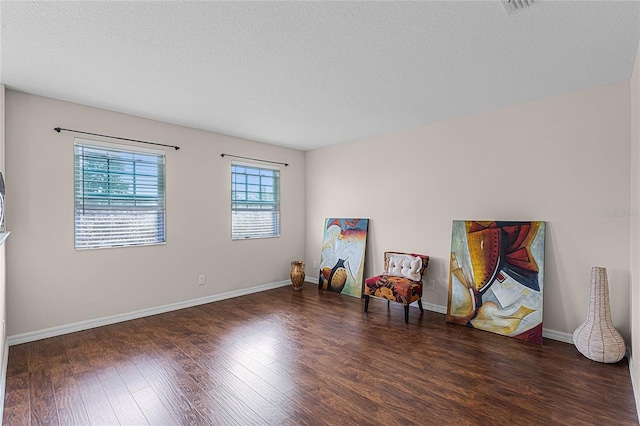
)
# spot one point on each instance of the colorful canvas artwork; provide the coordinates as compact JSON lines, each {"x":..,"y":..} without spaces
{"x":342,"y":256}
{"x":496,"y":277}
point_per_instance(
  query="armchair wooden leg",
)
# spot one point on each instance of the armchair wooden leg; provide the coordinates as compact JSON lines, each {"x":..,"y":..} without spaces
{"x":420,"y":305}
{"x":406,"y":314}
{"x":366,"y":302}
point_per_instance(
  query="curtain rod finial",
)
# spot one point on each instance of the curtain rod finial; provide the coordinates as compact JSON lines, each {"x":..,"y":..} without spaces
{"x":177,"y":147}
{"x":57,"y":129}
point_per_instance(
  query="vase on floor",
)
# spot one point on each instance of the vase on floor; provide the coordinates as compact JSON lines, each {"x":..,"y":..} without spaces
{"x":596,"y":338}
{"x":297,"y":274}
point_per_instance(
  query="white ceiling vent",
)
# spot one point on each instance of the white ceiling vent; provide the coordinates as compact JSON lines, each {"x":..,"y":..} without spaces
{"x":512,"y":6}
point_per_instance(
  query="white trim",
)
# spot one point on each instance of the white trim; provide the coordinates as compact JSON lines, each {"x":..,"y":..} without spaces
{"x":99,"y":322}
{"x":560,"y":336}
{"x":634,"y":384}
{"x":441,"y":309}
{"x":118,"y":146}
{"x":3,"y":374}
{"x":434,"y":308}
{"x":547,"y":333}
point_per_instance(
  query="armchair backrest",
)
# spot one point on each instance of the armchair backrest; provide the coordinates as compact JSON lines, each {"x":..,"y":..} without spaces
{"x":409,"y":265}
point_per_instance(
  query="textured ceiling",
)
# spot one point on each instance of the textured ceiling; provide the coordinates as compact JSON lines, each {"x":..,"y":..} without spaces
{"x":310,"y":74}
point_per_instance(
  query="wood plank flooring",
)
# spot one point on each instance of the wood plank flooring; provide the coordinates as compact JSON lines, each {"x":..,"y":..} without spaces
{"x":307,"y":358}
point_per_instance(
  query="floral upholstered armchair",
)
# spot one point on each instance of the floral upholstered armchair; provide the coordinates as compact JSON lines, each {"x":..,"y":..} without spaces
{"x":400,"y":282}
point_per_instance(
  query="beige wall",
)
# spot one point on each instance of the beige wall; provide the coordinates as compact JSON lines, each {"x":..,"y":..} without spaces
{"x":564,"y":160}
{"x":51,"y":284}
{"x":634,"y":300}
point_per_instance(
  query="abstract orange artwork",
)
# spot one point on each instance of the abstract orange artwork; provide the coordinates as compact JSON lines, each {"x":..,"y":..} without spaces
{"x":342,"y":260}
{"x":496,"y":277}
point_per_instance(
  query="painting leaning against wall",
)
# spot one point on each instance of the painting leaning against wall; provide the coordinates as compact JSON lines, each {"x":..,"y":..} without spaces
{"x":496,"y":277}
{"x":342,"y":255}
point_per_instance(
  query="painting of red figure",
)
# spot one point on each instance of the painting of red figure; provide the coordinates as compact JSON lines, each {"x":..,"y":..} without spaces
{"x":496,"y":277}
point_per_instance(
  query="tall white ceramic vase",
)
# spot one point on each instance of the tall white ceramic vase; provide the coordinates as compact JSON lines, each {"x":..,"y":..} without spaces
{"x":596,"y":338}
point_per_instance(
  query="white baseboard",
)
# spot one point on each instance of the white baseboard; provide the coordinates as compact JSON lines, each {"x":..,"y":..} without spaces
{"x":560,"y":336}
{"x":99,"y":322}
{"x":434,"y":308}
{"x":548,"y":333}
{"x":3,"y":372}
{"x":634,"y":383}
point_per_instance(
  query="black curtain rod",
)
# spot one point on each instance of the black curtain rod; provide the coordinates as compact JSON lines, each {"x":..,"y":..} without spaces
{"x":254,"y":159}
{"x":59,"y":129}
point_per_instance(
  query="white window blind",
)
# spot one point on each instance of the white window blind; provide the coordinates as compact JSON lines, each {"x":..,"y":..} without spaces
{"x":119,"y":196}
{"x":255,"y":202}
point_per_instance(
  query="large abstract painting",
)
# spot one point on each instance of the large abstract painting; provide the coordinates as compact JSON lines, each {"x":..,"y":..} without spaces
{"x":496,"y":277}
{"x":342,"y":257}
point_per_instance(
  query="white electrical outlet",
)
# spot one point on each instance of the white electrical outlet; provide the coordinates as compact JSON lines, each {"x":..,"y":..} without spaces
{"x":431,"y":285}
{"x":202,"y":279}
{"x":315,"y":264}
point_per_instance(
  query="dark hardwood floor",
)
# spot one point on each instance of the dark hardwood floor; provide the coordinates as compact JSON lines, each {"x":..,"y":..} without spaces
{"x":307,"y":358}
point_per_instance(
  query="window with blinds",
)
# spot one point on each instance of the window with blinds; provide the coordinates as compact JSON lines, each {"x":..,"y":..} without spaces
{"x":119,"y":195}
{"x":255,"y":202}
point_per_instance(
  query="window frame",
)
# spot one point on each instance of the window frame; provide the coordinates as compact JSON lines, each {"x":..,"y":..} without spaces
{"x":161,"y":210}
{"x":277,"y":213}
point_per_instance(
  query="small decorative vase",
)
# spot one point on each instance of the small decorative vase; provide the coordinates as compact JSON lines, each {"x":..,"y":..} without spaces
{"x":297,"y":274}
{"x":596,"y":338}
